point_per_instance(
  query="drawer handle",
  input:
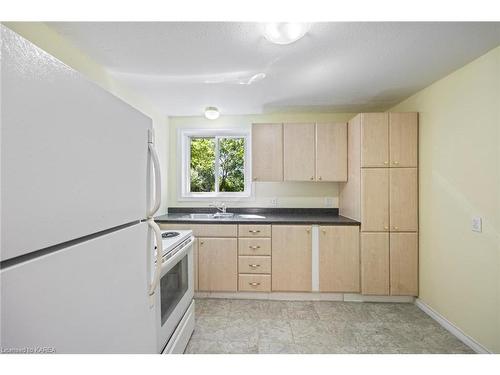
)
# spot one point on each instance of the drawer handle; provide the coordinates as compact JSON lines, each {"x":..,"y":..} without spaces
{"x":254,"y":284}
{"x":386,"y":162}
{"x":395,"y":162}
{"x":254,"y":247}
{"x":254,"y":231}
{"x":396,"y":228}
{"x":254,"y":265}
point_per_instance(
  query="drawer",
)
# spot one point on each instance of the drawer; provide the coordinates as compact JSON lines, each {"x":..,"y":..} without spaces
{"x":254,"y":230}
{"x":205,"y":230}
{"x":254,"y":246}
{"x":254,"y":283}
{"x":254,"y":264}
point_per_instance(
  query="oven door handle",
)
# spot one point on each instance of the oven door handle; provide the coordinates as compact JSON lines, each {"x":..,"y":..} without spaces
{"x":159,"y":254}
{"x":172,"y":261}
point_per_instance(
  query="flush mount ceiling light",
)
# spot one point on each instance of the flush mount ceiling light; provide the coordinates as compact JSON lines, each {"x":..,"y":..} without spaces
{"x":212,"y":113}
{"x":285,"y":32}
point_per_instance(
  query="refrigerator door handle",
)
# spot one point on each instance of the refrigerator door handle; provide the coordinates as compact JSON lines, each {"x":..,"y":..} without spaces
{"x":157,"y":176}
{"x":159,"y":257}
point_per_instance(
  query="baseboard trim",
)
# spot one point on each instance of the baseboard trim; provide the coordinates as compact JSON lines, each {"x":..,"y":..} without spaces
{"x":452,"y":328}
{"x":353,"y":297}
{"x":305,"y":296}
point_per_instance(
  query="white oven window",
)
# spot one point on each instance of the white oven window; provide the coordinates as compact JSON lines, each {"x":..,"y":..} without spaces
{"x":173,"y":286}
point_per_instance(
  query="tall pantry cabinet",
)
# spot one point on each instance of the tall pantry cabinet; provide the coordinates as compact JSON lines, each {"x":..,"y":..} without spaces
{"x":382,"y":193}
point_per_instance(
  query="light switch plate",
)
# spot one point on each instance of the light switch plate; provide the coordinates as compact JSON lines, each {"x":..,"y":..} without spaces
{"x":328,"y":202}
{"x":477,"y":225}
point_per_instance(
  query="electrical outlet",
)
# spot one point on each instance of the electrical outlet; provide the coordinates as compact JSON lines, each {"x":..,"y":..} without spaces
{"x":274,"y":202}
{"x":477,"y":225}
{"x":328,"y":202}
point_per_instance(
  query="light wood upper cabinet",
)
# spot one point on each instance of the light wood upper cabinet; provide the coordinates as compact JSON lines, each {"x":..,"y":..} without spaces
{"x":375,"y":140}
{"x":404,"y":264}
{"x":217,"y":264}
{"x":331,"y":152}
{"x":403,"y":199}
{"x":267,"y":152}
{"x":339,"y":259}
{"x":299,"y":151}
{"x":291,"y":258}
{"x":375,"y":199}
{"x":403,"y":139}
{"x":375,"y":263}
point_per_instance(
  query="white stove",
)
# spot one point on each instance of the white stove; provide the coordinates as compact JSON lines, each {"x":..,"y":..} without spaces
{"x":175,"y":305}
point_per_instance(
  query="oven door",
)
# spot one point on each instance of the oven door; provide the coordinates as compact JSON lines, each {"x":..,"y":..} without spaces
{"x":176,"y":291}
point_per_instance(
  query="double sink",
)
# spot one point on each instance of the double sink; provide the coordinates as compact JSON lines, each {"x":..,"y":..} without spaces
{"x":222,"y":215}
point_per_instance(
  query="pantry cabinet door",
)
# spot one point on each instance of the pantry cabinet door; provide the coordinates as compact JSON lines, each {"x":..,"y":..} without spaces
{"x":291,"y":258}
{"x":339,"y":259}
{"x":404,"y":199}
{"x":299,"y":152}
{"x":375,"y":263}
{"x":217,"y":264}
{"x":403,"y":139}
{"x":404,"y":264}
{"x":375,"y":199}
{"x":331,"y":152}
{"x":374,"y":140}
{"x":267,"y":152}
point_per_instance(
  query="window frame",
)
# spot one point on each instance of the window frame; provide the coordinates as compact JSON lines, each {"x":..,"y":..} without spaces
{"x":184,"y":145}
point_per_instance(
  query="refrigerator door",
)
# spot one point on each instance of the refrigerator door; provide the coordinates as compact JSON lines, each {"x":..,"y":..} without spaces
{"x":88,"y":298}
{"x":74,"y":158}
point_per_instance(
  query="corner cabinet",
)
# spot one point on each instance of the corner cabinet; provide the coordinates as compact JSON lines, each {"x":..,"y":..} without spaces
{"x":299,"y":152}
{"x":382,"y":193}
{"x":339,"y":259}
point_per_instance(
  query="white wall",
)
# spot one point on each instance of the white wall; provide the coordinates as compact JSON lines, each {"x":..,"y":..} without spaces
{"x":289,"y":194}
{"x":459,"y":156}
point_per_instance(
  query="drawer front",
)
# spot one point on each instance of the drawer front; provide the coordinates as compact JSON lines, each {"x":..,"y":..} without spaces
{"x":254,"y":283}
{"x":254,"y":264}
{"x":254,"y":246}
{"x":250,"y":230}
{"x":205,"y":230}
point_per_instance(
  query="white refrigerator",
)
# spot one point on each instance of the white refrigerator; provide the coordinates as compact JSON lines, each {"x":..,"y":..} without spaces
{"x":79,"y":180}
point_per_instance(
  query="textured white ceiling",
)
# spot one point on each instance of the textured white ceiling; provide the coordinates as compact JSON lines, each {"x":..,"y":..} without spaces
{"x":183,"y":67}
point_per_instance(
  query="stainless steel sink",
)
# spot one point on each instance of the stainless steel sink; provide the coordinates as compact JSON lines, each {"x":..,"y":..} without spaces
{"x":250,"y":216}
{"x":218,"y":215}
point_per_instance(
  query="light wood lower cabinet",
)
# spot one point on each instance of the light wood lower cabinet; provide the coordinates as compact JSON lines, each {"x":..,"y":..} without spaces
{"x":195,"y":264}
{"x":375,"y":263}
{"x":217,"y":264}
{"x":339,"y":259}
{"x":404,"y":264}
{"x":291,"y":258}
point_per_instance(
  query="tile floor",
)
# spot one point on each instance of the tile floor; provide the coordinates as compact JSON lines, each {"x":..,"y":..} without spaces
{"x":257,"y":326}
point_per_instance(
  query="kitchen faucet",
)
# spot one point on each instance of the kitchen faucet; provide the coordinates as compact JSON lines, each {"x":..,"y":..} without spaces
{"x":221,"y":206}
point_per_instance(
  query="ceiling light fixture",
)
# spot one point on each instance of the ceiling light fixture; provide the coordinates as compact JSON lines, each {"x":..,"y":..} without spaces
{"x":212,"y":113}
{"x":285,"y":32}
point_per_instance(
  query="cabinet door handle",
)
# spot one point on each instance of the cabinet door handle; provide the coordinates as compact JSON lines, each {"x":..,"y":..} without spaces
{"x":202,"y":242}
{"x":323,"y":230}
{"x":308,"y":230}
{"x":311,"y":178}
{"x":395,"y":228}
{"x":254,"y":265}
{"x":386,"y":162}
{"x":395,"y":162}
{"x":319,"y":178}
{"x":254,"y":247}
{"x":254,"y":231}
{"x":254,"y":284}
{"x":386,"y":228}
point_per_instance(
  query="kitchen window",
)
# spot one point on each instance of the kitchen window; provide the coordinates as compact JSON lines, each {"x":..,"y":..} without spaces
{"x":215,"y":164}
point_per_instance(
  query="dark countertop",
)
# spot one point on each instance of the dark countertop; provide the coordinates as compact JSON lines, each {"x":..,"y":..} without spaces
{"x":322,"y":216}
